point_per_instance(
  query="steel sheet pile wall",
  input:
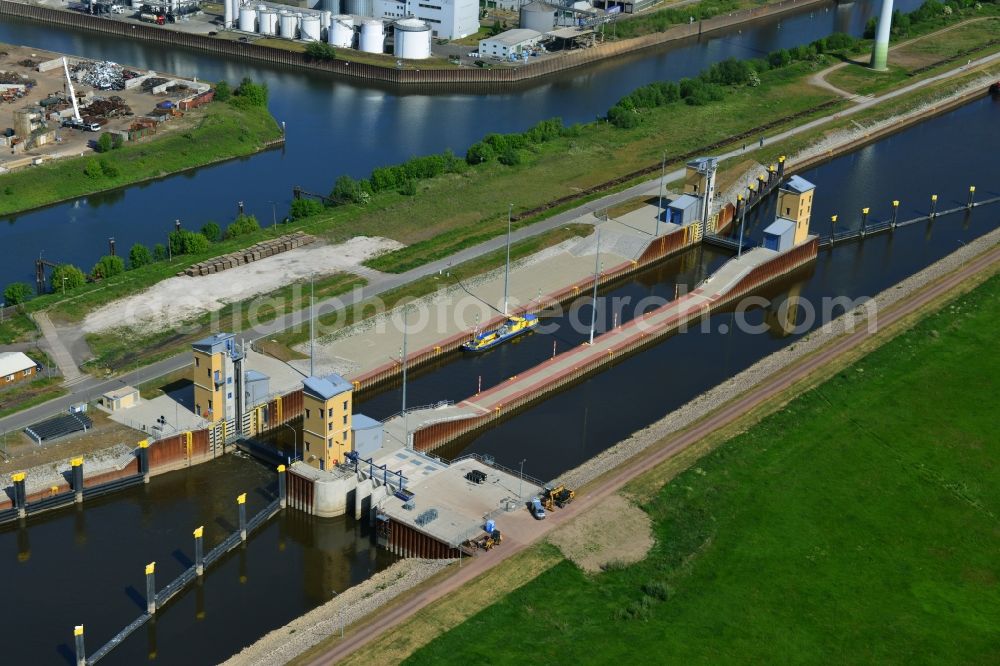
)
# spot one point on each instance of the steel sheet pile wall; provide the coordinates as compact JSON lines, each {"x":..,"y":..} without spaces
{"x":300,"y":492}
{"x":130,"y":469}
{"x":406,"y":541}
{"x":388,"y":73}
{"x":644,"y":334}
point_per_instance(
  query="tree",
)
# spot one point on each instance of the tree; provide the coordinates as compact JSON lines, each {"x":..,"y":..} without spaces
{"x":74,"y":277}
{"x":117,"y":141}
{"x":304,"y":208}
{"x":347,"y":190}
{"x":250,"y":95}
{"x":109,"y":169}
{"x":139,"y":256}
{"x":211,"y":231}
{"x":104,"y":144}
{"x":159,"y":252}
{"x":107,"y":266}
{"x":16,"y":293}
{"x":242,"y":225}
{"x":510,"y":157}
{"x":92,"y":169}
{"x":195,"y":243}
{"x":222,"y":91}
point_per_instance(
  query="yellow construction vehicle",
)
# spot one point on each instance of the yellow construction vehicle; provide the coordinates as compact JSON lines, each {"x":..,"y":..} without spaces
{"x":491,"y":539}
{"x":556,"y":496}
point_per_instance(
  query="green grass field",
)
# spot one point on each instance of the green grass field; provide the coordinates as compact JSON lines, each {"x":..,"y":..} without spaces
{"x":222,"y":132}
{"x":859,"y":524}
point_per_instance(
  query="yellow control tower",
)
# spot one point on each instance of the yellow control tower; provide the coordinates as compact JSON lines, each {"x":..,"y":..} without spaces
{"x":795,"y":200}
{"x":326,"y":424}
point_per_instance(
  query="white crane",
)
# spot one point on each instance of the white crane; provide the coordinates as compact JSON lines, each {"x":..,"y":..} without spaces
{"x":72,"y":94}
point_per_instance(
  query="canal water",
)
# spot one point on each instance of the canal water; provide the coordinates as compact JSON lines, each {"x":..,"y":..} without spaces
{"x":87,"y":567}
{"x":337,"y":127}
{"x":944,"y":155}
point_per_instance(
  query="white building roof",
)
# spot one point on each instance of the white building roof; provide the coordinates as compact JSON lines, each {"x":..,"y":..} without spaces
{"x":119,"y":393}
{"x":514,"y":37}
{"x":11,"y":362}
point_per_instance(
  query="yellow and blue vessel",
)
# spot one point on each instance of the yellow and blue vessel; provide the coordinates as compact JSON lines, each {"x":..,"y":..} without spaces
{"x":511,"y":328}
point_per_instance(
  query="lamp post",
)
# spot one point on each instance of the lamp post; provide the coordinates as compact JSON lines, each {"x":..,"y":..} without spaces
{"x":274,"y":214}
{"x":64,"y":284}
{"x":520,"y":488}
{"x":295,"y":442}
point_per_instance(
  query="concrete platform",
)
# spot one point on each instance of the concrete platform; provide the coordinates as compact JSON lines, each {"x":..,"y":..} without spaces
{"x":144,"y":415}
{"x":462,"y":506}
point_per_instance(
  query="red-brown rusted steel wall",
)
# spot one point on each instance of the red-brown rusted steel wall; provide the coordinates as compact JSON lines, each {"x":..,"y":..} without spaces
{"x":96,"y":479}
{"x":409,"y":542}
{"x":300,"y":492}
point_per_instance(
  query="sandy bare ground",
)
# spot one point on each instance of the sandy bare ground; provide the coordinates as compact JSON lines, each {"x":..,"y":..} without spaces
{"x":613,"y":531}
{"x":182,"y":298}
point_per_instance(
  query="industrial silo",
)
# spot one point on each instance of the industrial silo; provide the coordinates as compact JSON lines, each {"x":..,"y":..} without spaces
{"x":288,"y":24}
{"x":341,"y":33}
{"x":372,"y":39}
{"x":358,"y":7}
{"x":248,"y":19}
{"x":412,"y":39}
{"x":324,"y":21}
{"x":310,"y":28}
{"x":539,"y":16}
{"x":267,"y":22}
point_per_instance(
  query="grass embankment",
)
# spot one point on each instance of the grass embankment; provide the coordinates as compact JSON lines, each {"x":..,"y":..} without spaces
{"x":926,"y":55}
{"x":280,"y":346}
{"x":859,"y":521}
{"x":30,"y":394}
{"x":222,"y":132}
{"x":121,"y":349}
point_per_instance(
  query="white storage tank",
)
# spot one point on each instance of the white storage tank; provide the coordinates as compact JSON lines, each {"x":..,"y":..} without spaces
{"x":358,"y":7}
{"x":324,"y":19}
{"x":287,"y":24}
{"x":267,"y":22}
{"x":372,"y":39}
{"x":412,"y":40}
{"x":539,"y":16}
{"x":341,"y":33}
{"x":248,"y":19}
{"x":310,"y":28}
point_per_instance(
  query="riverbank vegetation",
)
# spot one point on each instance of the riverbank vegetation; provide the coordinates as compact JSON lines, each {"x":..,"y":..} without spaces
{"x":858,"y":521}
{"x":223,"y":130}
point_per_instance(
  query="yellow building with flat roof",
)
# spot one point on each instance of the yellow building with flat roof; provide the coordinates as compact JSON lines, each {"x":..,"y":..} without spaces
{"x":326,"y":420}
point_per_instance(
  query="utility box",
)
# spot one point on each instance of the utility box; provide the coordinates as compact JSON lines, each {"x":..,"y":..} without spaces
{"x":683,"y":210}
{"x":780,"y":235}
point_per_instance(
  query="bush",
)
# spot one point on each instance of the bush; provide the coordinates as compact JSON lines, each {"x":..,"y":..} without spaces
{"x":780,"y":58}
{"x":195,"y":243}
{"x":139,"y":256}
{"x":242,"y":225}
{"x":159,"y":252}
{"x":479,"y":153}
{"x":305,"y":207}
{"x":104,"y":144}
{"x":107,"y":266}
{"x":658,"y":590}
{"x":211,"y":231}
{"x":250,"y":95}
{"x":92,"y":169}
{"x":621,"y":117}
{"x":222,"y":91}
{"x":74,"y":277}
{"x":16,"y":293}
{"x":109,"y":169}
{"x":347,"y":190}
{"x":117,"y":141}
{"x":409,"y":188}
{"x":510,"y":157}
{"x":320,"y":51}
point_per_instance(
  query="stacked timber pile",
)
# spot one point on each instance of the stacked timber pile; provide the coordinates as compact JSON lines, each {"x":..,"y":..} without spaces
{"x":257,"y":251}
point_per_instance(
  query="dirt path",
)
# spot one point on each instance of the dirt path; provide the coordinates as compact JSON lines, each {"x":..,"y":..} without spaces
{"x":607,"y":486}
{"x":819,"y":78}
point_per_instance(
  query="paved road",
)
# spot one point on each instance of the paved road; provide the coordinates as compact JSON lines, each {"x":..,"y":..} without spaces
{"x":383,"y":622}
{"x":90,"y":388}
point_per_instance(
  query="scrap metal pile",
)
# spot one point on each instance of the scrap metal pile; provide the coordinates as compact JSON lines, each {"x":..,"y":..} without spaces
{"x":112,"y":107}
{"x":152,"y":82}
{"x":103,"y":75}
{"x":16,"y":79}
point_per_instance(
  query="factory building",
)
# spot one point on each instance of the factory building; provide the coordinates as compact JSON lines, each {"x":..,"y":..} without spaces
{"x":326,"y":423}
{"x":794,"y":211}
{"x":509,"y":43}
{"x":448,"y":19}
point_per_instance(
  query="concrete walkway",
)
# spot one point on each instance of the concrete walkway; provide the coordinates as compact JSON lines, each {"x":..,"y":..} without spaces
{"x":55,"y":348}
{"x":90,"y":387}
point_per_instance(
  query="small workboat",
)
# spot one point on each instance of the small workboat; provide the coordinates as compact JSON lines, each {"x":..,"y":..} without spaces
{"x":511,"y":328}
